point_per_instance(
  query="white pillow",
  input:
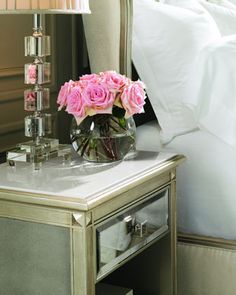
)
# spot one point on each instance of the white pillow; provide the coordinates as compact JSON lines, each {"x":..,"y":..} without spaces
{"x":225,"y":3}
{"x":193,"y":5}
{"x":166,"y":41}
{"x":224,"y":17}
{"x":214,"y":89}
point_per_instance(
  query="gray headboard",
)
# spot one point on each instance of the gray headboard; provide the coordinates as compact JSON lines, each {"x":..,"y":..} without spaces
{"x":108,"y":33}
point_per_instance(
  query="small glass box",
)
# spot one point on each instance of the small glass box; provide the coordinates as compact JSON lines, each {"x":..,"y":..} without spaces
{"x":37,"y":46}
{"x":36,"y":100}
{"x":37,"y":73}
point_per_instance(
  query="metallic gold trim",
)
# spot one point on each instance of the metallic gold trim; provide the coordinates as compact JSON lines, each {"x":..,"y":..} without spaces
{"x":83,"y":262}
{"x":134,"y":195}
{"x":82,"y":219}
{"x":42,"y":199}
{"x":39,"y":214}
{"x":207,"y":241}
{"x":141,"y":178}
{"x":126,"y":22}
{"x":173,"y":236}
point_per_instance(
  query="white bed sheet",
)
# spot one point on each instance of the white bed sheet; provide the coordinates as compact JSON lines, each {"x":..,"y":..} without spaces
{"x":206,"y":182}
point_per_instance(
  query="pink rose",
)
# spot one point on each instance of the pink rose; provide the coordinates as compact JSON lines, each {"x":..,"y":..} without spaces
{"x":99,"y":98}
{"x":30,"y":96}
{"x":133,"y":98}
{"x":94,"y":94}
{"x":113,"y":80}
{"x":91,"y":78}
{"x":32,"y":74}
{"x":76,"y":103}
{"x":29,"y":100}
{"x":64,"y":92}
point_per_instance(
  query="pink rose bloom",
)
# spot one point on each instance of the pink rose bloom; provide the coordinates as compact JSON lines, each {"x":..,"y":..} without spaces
{"x":76,"y":103}
{"x":91,"y":78}
{"x":29,"y":100}
{"x":31,"y":74}
{"x":64,"y":92}
{"x":133,"y":98}
{"x":98,"y":98}
{"x":30,"y":96}
{"x":113,"y":80}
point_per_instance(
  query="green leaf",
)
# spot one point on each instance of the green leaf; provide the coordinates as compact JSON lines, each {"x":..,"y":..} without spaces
{"x":122,"y":122}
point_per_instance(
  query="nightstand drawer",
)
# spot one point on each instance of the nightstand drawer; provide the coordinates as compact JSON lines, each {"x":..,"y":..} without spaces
{"x":127,"y":232}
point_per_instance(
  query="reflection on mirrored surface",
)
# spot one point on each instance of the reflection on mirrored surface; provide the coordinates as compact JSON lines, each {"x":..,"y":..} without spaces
{"x":127,"y":232}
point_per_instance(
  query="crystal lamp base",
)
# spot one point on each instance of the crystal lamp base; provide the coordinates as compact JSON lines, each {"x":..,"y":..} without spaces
{"x":38,"y":153}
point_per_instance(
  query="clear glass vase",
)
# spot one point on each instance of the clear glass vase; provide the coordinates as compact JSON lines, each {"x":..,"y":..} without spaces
{"x":103,"y":138}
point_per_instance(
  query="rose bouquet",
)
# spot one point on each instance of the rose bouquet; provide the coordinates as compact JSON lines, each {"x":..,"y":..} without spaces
{"x":101,"y":104}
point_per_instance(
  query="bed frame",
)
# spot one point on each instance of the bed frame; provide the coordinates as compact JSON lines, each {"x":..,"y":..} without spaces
{"x":206,"y":265}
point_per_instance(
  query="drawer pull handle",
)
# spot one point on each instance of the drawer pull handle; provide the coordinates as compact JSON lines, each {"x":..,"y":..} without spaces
{"x":129,"y":220}
{"x":141,"y":228}
{"x":133,"y":227}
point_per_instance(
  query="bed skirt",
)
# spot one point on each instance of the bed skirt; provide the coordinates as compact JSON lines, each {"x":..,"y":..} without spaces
{"x":206,"y":266}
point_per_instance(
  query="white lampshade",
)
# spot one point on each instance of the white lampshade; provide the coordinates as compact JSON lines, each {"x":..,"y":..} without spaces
{"x":44,"y":6}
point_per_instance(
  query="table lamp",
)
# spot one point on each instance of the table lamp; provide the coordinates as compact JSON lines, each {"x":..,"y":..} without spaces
{"x":37,"y":73}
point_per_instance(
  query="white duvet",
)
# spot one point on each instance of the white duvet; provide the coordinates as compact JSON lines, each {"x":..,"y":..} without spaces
{"x":211,"y":92}
{"x":206,"y":182}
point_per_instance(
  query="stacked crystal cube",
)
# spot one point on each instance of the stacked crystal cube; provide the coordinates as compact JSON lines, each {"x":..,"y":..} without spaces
{"x":37,"y":73}
{"x":38,"y":124}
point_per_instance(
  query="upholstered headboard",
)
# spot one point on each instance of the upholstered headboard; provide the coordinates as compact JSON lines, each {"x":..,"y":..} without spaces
{"x":108,"y":35}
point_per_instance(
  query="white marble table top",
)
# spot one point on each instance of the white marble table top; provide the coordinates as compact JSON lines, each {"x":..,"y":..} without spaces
{"x":79,"y":180}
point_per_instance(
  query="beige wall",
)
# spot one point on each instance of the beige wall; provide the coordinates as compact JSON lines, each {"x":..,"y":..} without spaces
{"x":12,"y":30}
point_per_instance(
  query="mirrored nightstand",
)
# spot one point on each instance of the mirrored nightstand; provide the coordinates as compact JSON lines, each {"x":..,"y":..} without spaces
{"x":64,"y":230}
